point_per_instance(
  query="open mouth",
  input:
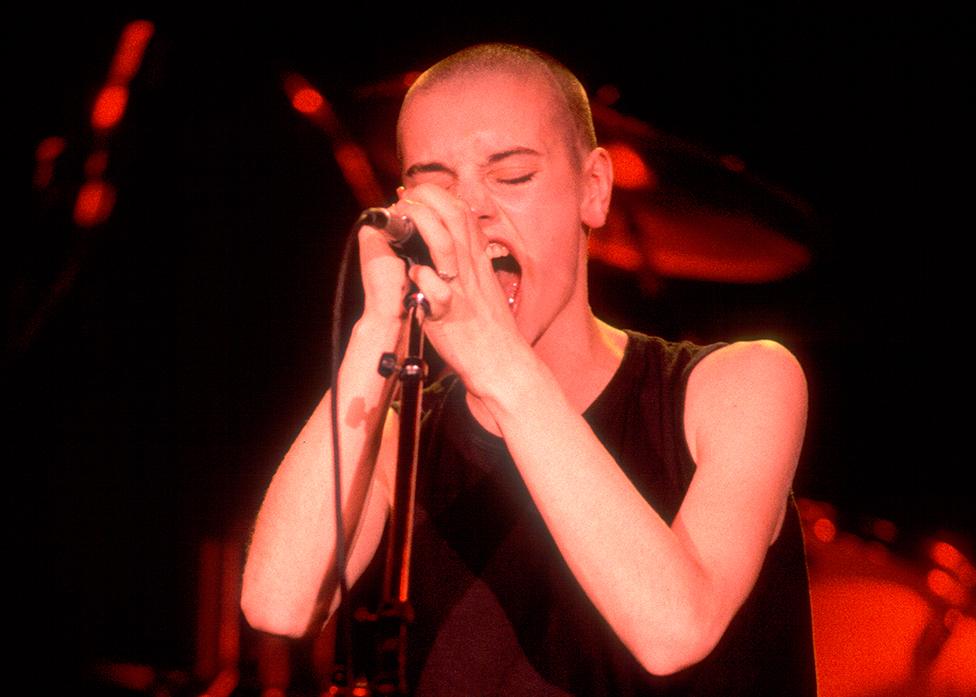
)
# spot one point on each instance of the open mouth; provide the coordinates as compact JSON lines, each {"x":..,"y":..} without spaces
{"x":507,"y":271}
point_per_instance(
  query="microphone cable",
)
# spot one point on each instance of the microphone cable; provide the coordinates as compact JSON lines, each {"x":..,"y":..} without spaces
{"x":344,"y":614}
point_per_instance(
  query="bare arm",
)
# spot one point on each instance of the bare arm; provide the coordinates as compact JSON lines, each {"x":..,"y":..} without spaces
{"x":292,"y":551}
{"x":668,"y":592}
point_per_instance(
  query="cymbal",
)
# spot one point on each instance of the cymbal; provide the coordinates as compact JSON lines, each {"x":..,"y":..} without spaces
{"x":680,"y":211}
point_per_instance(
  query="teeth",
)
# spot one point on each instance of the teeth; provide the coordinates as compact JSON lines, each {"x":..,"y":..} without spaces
{"x":506,"y":268}
{"x":496,"y":250}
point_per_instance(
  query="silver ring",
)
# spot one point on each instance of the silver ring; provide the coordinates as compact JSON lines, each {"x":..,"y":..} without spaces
{"x":446,"y":277}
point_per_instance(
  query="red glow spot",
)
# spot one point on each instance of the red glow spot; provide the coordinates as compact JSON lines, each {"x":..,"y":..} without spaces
{"x":946,"y":587}
{"x":824,"y":530}
{"x":884,"y":530}
{"x":307,"y":100}
{"x":629,"y":169}
{"x":946,"y":556}
{"x":50,"y":148}
{"x":94,"y":203}
{"x":109,"y":106}
{"x":132,"y":45}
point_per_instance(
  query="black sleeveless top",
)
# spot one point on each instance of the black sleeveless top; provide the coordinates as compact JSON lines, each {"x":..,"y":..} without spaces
{"x":498,"y":612}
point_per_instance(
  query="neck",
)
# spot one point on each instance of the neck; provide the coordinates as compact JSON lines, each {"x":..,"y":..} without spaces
{"x":584,"y":365}
{"x":581,"y":351}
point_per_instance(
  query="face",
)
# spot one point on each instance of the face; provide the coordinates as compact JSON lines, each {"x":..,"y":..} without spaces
{"x":496,"y":142}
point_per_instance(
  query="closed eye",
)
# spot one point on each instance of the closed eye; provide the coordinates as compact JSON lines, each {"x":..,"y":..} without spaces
{"x":511,"y":180}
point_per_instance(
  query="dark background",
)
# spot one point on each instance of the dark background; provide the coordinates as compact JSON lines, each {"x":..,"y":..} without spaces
{"x":150,"y":407}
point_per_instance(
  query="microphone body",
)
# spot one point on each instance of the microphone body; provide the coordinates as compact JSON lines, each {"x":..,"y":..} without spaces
{"x":401,"y":233}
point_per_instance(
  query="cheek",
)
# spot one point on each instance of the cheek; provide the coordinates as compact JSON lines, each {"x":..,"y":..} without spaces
{"x":548,"y":221}
{"x":552,"y":241}
{"x":556,"y":191}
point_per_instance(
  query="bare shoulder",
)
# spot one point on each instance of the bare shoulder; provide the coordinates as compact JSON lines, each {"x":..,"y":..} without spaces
{"x":746,"y":369}
{"x":748,"y":387}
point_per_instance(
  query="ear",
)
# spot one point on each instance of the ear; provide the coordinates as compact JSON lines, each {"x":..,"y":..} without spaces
{"x":597,"y":185}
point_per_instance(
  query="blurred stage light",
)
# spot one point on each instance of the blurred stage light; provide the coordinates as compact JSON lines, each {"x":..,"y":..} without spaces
{"x":109,"y":106}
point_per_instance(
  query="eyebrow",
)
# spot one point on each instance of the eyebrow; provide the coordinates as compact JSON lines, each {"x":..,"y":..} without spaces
{"x":425,"y":167}
{"x":499,"y":156}
{"x":494,"y":158}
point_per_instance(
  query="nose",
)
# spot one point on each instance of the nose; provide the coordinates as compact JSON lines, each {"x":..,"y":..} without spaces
{"x":477,"y":197}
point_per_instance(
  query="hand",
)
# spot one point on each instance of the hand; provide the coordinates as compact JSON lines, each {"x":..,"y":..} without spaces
{"x":470,"y":322}
{"x":384,"y":276}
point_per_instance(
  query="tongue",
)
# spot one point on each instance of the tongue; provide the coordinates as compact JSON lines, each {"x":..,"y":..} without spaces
{"x":509,"y":281}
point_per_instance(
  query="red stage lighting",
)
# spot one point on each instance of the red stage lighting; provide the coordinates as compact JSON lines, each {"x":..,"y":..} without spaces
{"x":629,"y":169}
{"x":94,"y":203}
{"x":307,"y":100}
{"x":109,"y":106}
{"x":132,"y":46}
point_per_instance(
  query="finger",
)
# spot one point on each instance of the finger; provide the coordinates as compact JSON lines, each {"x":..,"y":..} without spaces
{"x":375,"y":253}
{"x":453,"y":211}
{"x":440,"y":241}
{"x":383,"y":277}
{"x":436,"y":290}
{"x":454,"y":214}
{"x":461,"y":219}
{"x":373,"y":243}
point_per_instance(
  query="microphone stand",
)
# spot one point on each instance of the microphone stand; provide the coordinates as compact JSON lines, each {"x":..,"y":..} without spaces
{"x":395,"y":612}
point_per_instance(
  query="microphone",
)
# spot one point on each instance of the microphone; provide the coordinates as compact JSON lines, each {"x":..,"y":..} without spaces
{"x":400,"y":232}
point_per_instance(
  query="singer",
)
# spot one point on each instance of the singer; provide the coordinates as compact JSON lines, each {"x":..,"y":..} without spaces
{"x":600,"y":512}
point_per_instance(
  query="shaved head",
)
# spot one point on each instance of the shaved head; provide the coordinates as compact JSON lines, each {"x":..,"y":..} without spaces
{"x":571,"y":105}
